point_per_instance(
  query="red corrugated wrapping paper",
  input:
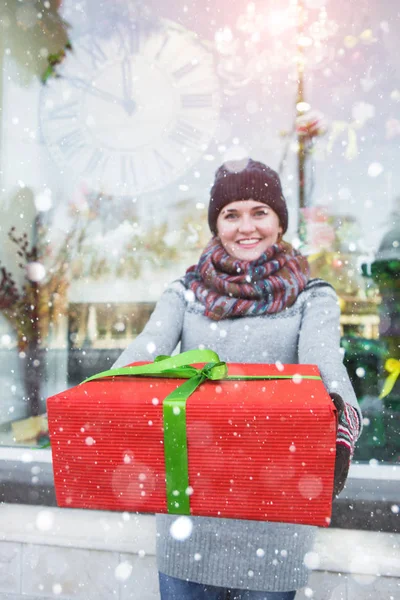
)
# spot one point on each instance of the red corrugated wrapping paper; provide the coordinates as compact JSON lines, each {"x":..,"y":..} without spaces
{"x":259,"y":449}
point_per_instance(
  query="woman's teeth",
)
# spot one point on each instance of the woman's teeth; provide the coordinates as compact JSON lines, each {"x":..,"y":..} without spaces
{"x":248,"y":242}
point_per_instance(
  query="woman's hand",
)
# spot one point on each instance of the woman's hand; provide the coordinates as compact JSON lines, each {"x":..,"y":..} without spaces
{"x":343,"y":456}
{"x":342,"y":466}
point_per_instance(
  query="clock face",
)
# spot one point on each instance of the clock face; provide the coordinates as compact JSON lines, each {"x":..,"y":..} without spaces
{"x":132,"y":113}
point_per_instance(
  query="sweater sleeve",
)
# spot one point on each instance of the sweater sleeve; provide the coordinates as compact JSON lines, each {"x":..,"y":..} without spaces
{"x":319,"y":344}
{"x":162,"y":331}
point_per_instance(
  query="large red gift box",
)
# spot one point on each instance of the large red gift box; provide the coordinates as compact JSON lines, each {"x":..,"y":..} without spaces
{"x":261,"y":449}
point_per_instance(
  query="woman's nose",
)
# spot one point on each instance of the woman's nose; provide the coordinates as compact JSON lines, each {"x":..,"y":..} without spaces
{"x":246,"y":224}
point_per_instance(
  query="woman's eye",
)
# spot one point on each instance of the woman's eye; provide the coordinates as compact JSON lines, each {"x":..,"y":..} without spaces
{"x":261,"y":213}
{"x":230,"y":216}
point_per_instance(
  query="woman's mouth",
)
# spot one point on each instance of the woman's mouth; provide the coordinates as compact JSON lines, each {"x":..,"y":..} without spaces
{"x":248,"y":243}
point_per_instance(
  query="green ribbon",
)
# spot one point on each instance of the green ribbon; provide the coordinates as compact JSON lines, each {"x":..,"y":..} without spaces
{"x":174,"y":410}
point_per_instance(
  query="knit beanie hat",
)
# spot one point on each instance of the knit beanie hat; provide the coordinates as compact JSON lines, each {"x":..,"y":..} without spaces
{"x":255,"y":181}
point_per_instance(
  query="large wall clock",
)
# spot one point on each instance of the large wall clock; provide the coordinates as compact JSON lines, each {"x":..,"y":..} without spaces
{"x":131,"y":113}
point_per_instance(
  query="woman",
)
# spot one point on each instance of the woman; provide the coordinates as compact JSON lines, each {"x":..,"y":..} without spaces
{"x":251,"y":300}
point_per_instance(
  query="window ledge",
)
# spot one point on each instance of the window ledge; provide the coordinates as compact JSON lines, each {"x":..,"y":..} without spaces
{"x":337,"y":550}
{"x":69,"y":527}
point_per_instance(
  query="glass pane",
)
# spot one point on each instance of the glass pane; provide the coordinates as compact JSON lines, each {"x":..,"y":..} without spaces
{"x":114,"y":117}
{"x":98,"y":333}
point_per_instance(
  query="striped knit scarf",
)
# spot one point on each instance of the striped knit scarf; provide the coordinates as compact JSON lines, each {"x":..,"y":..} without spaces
{"x":230,"y":288}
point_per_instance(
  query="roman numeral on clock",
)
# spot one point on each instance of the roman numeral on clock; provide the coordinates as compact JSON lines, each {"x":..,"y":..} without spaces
{"x":185,"y":70}
{"x":196,"y":100}
{"x":130,"y":38}
{"x":185,"y":134}
{"x":98,"y":159}
{"x":71,"y":143}
{"x":65,"y":111}
{"x":128,"y":170}
{"x":164,"y":42}
{"x":163,"y":163}
{"x":94,"y":50}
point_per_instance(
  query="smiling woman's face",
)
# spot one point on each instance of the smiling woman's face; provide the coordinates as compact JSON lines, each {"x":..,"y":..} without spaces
{"x":247,"y":228}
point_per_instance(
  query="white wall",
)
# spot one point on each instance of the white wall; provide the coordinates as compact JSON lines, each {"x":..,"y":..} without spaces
{"x":70,"y":553}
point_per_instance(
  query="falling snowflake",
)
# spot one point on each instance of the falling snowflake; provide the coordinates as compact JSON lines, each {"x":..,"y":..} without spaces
{"x":44,"y":520}
{"x":123,"y":571}
{"x":189,"y":296}
{"x":181,"y":528}
{"x":311,"y":560}
{"x":375,"y":169}
{"x":151,"y":347}
{"x":43,"y":200}
{"x":35,"y":271}
{"x":362,"y":112}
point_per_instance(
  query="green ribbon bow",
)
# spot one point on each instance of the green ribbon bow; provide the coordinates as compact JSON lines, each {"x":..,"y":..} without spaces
{"x":392,"y":366}
{"x":174,"y":410}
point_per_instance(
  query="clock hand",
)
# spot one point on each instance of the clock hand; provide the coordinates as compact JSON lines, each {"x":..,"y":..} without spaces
{"x":127,"y":78}
{"x":81,"y":84}
{"x":130,"y":104}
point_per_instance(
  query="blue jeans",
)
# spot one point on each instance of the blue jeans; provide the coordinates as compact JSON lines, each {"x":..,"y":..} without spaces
{"x":172,"y":588}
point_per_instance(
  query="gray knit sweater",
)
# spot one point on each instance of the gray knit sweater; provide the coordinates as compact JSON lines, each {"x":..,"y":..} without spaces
{"x":230,"y":552}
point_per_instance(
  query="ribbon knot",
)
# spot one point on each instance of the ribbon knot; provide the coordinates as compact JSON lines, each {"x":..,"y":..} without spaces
{"x":215,"y":371}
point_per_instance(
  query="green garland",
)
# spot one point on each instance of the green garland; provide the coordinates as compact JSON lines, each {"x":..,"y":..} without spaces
{"x":54,"y":60}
